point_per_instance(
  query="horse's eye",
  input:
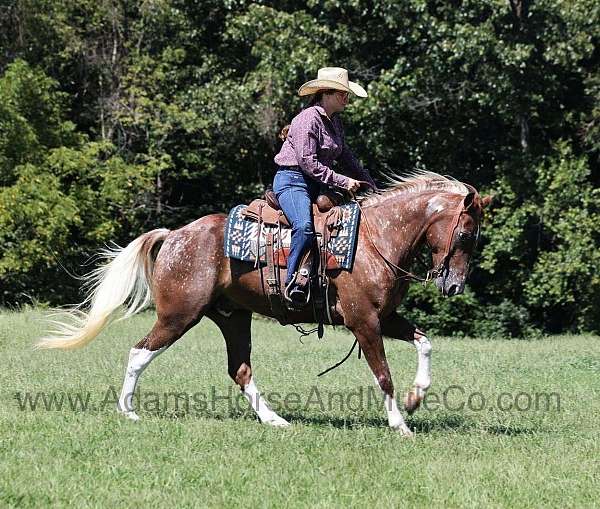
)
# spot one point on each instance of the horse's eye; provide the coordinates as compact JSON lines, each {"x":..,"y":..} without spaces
{"x":464,"y":238}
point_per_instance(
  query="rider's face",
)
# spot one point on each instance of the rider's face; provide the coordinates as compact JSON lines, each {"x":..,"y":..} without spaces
{"x":342,"y":99}
{"x":335,"y":101}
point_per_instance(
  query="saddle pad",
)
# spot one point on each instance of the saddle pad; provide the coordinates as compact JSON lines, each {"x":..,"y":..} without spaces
{"x":241,"y":237}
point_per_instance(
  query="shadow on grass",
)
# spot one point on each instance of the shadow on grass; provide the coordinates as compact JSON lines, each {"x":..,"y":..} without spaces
{"x":510,"y":431}
{"x":421,"y":425}
{"x":330,"y":421}
{"x":441,"y":422}
{"x":424,"y":423}
{"x":293,"y":418}
{"x":459,"y":422}
{"x":184,"y":413}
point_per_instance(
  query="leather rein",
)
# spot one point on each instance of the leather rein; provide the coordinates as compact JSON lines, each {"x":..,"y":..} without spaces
{"x":432,"y":273}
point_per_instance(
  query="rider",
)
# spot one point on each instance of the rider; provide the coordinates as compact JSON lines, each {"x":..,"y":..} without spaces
{"x":313,"y":141}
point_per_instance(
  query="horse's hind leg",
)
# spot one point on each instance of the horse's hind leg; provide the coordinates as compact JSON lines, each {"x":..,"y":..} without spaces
{"x":236,"y":331}
{"x":184,"y":279}
{"x":165,"y":332}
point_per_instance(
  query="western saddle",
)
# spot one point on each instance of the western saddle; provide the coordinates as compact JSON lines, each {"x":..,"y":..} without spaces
{"x":315,"y":261}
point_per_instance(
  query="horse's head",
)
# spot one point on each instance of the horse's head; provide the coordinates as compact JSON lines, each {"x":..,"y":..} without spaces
{"x":452,"y":236}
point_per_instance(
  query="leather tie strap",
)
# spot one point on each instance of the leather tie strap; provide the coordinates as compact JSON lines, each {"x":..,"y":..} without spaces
{"x":273,"y":281}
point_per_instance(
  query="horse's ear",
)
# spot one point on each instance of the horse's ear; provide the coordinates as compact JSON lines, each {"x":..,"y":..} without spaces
{"x":468,"y":201}
{"x":486,"y":200}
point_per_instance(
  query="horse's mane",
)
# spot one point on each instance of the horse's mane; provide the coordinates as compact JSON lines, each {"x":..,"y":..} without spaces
{"x":415,"y":182}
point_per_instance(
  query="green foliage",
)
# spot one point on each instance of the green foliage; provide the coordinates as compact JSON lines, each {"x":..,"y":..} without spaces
{"x":564,"y":277}
{"x":466,"y":315}
{"x":31,"y":120}
{"x":61,"y":211}
{"x":119,"y":117}
{"x":63,"y":196}
{"x":35,"y":219}
{"x":425,"y":306}
{"x":546,"y":247}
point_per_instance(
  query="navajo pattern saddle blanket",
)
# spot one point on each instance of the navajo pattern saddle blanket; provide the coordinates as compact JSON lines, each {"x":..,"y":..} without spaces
{"x":242,"y":242}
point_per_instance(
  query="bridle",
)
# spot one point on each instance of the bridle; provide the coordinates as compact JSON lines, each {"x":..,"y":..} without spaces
{"x":441,"y":268}
{"x":403,"y":273}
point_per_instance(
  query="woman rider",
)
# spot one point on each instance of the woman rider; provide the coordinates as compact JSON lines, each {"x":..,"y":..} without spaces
{"x":315,"y":139}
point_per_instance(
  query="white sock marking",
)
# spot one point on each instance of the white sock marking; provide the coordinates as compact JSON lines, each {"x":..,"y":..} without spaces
{"x":423,"y":376}
{"x":260,"y":406}
{"x":395,"y":419}
{"x":139,"y":358}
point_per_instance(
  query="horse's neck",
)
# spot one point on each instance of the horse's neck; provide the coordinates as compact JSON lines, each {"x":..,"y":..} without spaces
{"x":400,"y":223}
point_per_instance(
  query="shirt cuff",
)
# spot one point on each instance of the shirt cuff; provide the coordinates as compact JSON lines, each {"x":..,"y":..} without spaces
{"x":340,"y":181}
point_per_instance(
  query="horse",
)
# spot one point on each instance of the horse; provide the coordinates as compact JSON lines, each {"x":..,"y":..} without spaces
{"x":187,"y":274}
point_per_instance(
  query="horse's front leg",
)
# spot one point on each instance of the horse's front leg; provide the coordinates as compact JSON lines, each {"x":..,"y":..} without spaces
{"x":394,"y":326}
{"x":368,"y":334}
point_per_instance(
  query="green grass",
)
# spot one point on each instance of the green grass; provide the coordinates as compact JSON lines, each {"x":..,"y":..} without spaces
{"x":330,"y":457}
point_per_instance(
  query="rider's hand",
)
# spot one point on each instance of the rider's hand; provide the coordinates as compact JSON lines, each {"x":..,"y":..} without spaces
{"x":353,"y":185}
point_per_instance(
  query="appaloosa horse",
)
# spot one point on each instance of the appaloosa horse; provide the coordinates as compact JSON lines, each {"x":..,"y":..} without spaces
{"x":189,"y":277}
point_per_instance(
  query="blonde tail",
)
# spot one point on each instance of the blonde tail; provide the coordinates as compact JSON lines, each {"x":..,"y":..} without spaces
{"x":123,"y":279}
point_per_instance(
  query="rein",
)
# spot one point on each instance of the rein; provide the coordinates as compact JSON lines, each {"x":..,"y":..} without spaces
{"x":460,"y":211}
{"x":337,"y":365}
{"x":391,"y":265}
{"x":431,"y":274}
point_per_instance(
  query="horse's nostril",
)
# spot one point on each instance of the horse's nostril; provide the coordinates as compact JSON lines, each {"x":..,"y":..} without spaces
{"x":453,"y":290}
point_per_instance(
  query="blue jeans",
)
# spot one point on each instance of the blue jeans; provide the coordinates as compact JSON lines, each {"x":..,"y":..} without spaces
{"x":295,"y":192}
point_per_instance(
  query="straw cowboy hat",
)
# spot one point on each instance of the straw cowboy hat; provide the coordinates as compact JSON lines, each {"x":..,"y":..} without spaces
{"x":332,"y":78}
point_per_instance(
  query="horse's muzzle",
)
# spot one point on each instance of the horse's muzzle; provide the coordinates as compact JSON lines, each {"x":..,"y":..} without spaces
{"x":450,"y":286}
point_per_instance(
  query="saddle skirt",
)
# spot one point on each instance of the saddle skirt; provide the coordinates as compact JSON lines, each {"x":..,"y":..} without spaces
{"x":246,"y":236}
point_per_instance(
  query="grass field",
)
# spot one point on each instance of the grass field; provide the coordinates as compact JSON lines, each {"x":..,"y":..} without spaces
{"x":542,"y":452}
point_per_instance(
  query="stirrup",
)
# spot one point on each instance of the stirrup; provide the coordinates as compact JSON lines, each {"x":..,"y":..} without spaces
{"x":304,"y":290}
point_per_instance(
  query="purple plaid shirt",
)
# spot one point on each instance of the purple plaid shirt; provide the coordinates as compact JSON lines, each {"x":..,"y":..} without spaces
{"x":314,"y":142}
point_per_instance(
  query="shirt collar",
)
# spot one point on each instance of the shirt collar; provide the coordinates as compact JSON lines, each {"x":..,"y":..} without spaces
{"x":323,"y":113}
{"x":320,"y":109}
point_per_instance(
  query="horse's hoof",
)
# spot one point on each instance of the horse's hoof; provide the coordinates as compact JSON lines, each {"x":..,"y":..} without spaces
{"x":277,"y":421}
{"x":403,"y":431}
{"x":412,"y":400}
{"x":129,"y":414}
